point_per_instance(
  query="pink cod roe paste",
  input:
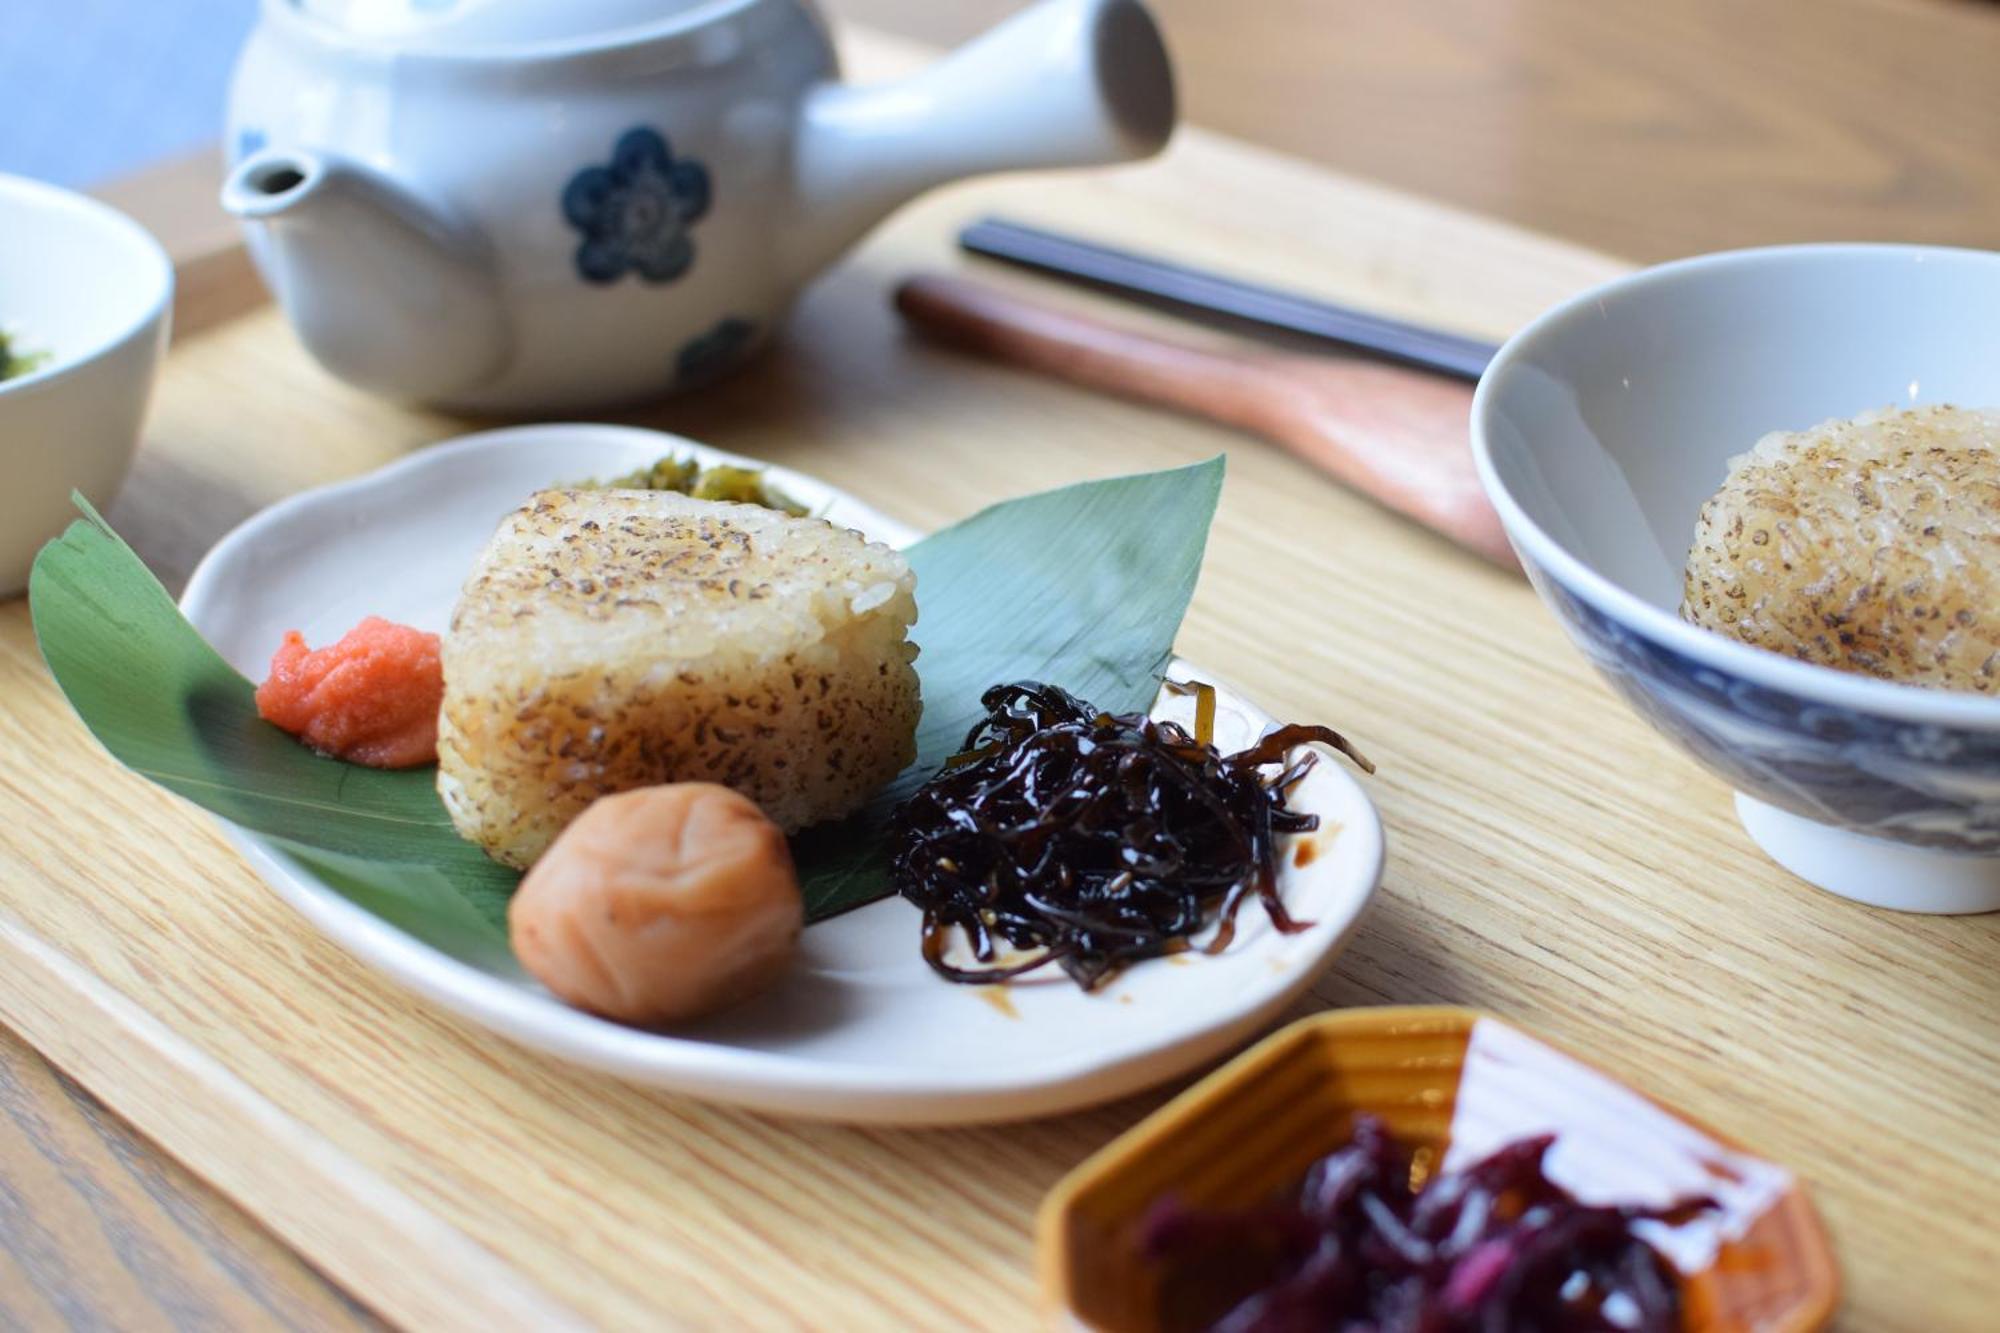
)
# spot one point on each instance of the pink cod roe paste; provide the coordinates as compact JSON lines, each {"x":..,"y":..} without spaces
{"x":371,"y":698}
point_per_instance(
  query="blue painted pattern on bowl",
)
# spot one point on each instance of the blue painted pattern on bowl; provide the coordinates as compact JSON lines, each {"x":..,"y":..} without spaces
{"x":1913,"y":782}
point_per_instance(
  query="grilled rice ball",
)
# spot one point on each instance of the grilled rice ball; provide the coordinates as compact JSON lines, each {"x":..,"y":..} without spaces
{"x":1870,"y":545}
{"x":608,"y":640}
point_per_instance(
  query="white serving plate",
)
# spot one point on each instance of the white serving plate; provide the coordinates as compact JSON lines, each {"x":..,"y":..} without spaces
{"x":861,"y":1029}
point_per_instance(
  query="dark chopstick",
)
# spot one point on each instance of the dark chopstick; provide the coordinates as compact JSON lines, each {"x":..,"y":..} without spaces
{"x":1185,"y":290}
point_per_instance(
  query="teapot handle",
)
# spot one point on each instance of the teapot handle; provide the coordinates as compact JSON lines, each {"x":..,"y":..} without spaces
{"x":1064,"y":83}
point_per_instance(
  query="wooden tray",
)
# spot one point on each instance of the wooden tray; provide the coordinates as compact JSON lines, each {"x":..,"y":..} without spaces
{"x":1551,"y":860}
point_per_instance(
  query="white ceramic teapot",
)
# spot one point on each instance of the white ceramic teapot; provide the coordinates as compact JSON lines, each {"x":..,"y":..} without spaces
{"x":512,"y":205}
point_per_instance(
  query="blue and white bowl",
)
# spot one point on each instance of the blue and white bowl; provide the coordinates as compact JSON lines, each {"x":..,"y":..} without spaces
{"x":1603,"y":426}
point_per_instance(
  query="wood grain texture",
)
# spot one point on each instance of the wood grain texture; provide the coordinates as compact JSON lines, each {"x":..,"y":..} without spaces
{"x":1395,"y":434}
{"x":214,"y":280}
{"x":1650,"y":130}
{"x":1550,"y":858}
{"x":359,"y":1229}
{"x":98,"y":1230}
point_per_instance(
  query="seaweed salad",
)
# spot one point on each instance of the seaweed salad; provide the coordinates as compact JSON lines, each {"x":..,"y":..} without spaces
{"x":1093,"y":840}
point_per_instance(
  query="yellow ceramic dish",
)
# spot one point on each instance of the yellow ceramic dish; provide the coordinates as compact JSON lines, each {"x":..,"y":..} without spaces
{"x":1457,"y":1084}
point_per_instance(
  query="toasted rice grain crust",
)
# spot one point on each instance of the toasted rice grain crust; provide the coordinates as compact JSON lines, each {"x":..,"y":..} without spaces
{"x":1870,"y":545}
{"x":608,"y":640}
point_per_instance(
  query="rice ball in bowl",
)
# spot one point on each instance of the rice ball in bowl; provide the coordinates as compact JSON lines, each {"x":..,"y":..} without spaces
{"x":1603,"y":429}
{"x":1869,"y":545}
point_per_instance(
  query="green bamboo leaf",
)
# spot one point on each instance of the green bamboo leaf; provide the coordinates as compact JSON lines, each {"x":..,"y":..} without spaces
{"x":167,"y":706}
{"x":1085,"y":586}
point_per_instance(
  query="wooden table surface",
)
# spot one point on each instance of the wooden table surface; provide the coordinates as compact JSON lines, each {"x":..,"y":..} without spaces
{"x":102,"y":1228}
{"x":1647,"y":129}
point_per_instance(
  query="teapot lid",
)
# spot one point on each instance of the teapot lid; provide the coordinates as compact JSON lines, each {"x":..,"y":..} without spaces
{"x":486,"y":24}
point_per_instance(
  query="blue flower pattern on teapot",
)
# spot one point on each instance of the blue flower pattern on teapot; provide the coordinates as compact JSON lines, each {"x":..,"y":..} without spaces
{"x":636,"y":213}
{"x":573,"y":191}
{"x":713,"y":354}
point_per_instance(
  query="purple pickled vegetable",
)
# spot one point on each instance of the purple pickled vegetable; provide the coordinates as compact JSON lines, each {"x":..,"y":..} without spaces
{"x":1497,"y":1247}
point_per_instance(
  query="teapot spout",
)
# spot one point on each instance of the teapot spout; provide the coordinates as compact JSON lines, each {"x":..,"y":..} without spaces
{"x":1065,"y":83}
{"x":385,"y":290}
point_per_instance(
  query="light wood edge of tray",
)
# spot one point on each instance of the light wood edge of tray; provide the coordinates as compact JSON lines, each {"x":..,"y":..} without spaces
{"x":416,"y":1270}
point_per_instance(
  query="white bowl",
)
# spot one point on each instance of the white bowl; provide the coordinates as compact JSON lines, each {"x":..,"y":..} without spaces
{"x":91,"y":287}
{"x":1602,"y":427}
